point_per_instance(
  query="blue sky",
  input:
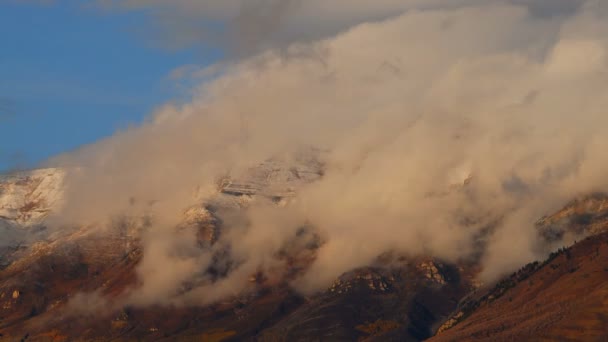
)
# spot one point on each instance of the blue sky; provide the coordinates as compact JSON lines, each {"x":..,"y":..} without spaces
{"x":70,"y":75}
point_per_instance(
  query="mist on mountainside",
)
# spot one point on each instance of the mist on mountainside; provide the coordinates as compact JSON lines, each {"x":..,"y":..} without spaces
{"x":442,"y":125}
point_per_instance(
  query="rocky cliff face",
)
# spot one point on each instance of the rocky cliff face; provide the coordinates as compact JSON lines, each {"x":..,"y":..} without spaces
{"x":584,"y":216}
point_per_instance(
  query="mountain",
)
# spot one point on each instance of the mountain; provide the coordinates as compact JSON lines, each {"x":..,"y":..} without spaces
{"x":26,"y":198}
{"x":41,"y":277}
{"x":564,"y":298}
{"x":397,"y":298}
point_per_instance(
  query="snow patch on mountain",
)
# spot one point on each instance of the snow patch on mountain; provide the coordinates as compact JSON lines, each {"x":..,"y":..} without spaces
{"x":274,"y":178}
{"x":27,"y":197}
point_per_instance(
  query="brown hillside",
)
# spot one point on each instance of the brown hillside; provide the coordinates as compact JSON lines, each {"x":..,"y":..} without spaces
{"x":562,"y":299}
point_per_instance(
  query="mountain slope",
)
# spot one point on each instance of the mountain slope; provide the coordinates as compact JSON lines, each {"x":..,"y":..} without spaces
{"x":565,"y":298}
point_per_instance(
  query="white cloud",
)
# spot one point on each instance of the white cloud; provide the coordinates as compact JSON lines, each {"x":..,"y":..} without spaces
{"x":405,"y":107}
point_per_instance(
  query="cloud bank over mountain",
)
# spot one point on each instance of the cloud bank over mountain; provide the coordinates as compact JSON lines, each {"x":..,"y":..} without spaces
{"x":445,"y":125}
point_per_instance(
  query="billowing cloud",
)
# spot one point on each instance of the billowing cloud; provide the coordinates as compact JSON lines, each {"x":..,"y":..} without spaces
{"x":408,"y":110}
{"x":249,"y":26}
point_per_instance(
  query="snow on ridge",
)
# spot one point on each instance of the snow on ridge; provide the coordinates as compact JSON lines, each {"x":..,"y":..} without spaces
{"x":27,"y":197}
{"x":274,"y":178}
